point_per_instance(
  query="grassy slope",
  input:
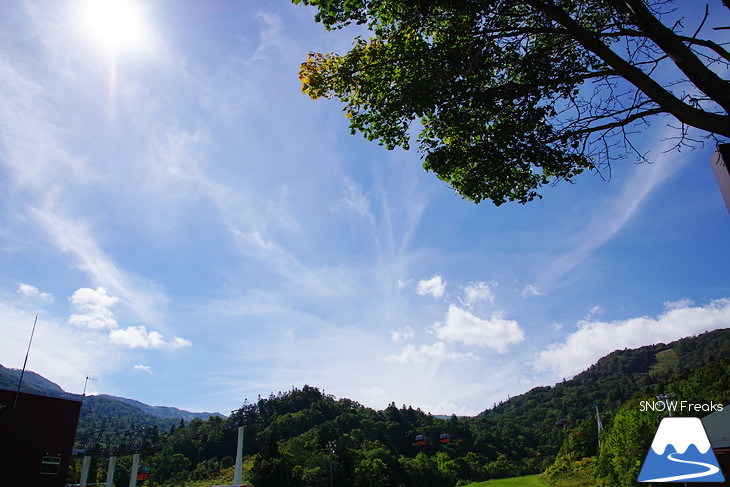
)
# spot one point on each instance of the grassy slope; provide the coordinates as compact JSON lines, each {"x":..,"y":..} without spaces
{"x":527,"y":481}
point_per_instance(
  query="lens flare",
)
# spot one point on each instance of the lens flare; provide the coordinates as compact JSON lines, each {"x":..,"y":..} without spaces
{"x":114,"y":25}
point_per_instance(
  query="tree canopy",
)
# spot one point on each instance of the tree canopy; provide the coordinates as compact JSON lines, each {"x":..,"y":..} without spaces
{"x":506,"y":96}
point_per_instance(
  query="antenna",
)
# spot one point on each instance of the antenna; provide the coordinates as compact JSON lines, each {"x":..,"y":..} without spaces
{"x":22,"y":372}
{"x":92,"y":379}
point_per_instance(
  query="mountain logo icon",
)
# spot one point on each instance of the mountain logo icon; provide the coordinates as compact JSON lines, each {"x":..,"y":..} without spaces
{"x":680,"y":452}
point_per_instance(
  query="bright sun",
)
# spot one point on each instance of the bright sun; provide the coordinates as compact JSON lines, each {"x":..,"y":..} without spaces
{"x":115,"y":25}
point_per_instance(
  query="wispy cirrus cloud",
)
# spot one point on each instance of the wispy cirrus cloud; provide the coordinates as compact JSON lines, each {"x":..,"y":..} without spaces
{"x":43,"y":166}
{"x":271,"y":40}
{"x":34,"y":149}
{"x":75,"y":237}
{"x":613,"y":215}
{"x":355,"y":199}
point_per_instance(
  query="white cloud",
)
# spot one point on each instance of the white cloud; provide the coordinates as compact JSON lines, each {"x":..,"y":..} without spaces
{"x":434,"y":286}
{"x":142,"y":368}
{"x":463,"y":327}
{"x":530,"y":290}
{"x":593,"y":313}
{"x":94,"y":306}
{"x":139,"y":337}
{"x":428,"y":353}
{"x":593,"y":340}
{"x":178,"y":342}
{"x":32,"y":291}
{"x":681,"y":303}
{"x":403,"y":334}
{"x":478,"y":291}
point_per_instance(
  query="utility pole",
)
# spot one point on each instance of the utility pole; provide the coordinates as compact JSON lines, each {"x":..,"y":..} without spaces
{"x":331,"y":447}
{"x":562,"y":424}
{"x":85,"y":467}
{"x":238,"y":472}
{"x":135,"y":469}
{"x":599,"y":426}
{"x":114,"y":443}
{"x":110,"y":470}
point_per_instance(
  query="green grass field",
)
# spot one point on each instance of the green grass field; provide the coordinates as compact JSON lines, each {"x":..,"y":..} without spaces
{"x":527,"y":481}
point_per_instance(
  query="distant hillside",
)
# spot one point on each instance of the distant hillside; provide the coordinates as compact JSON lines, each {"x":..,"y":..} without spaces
{"x":102,"y":412}
{"x":32,"y":383}
{"x":163,"y":412}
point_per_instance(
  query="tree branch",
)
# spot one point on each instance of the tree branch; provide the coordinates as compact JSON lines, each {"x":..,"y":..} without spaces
{"x":702,"y":77}
{"x":710,"y":122}
{"x":608,"y":126}
{"x":709,"y":44}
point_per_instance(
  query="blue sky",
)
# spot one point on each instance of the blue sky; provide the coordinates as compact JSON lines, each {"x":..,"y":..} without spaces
{"x":192,"y":231}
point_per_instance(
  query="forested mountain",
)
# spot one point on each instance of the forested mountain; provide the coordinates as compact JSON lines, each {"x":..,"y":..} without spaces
{"x":102,"y":412}
{"x":529,"y":420}
{"x":109,"y":415}
{"x":295,"y":437}
{"x":628,"y":432}
{"x":32,"y":383}
{"x":292,"y":436}
{"x":615,"y":378}
{"x":163,"y":412}
{"x":116,"y":414}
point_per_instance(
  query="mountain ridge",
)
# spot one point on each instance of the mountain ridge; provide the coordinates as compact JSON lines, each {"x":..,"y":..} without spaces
{"x":35,"y":383}
{"x":165,"y":412}
{"x":32,"y":382}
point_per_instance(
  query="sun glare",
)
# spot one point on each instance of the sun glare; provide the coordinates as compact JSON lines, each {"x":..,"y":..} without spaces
{"x":115,"y":25}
